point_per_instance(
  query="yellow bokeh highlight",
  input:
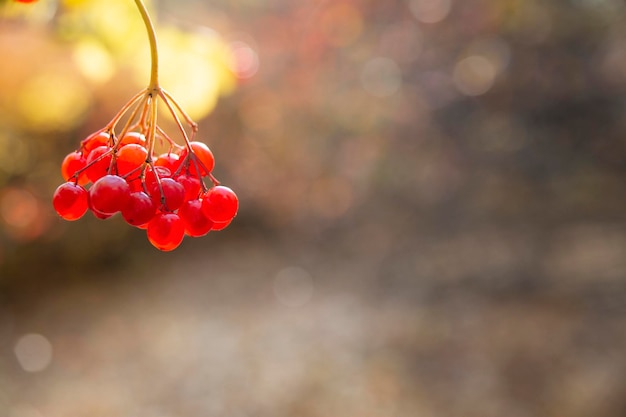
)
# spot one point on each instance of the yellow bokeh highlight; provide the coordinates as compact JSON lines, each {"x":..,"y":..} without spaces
{"x":193,"y":67}
{"x":93,"y":61}
{"x":52,"y":101}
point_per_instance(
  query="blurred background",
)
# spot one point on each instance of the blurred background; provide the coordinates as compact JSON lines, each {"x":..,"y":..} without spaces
{"x":432,"y":215}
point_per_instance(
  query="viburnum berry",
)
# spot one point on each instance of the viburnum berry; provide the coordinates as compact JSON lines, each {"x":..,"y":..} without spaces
{"x":191,"y":184}
{"x":166,"y":231}
{"x":220,"y":204}
{"x":133,"y":137}
{"x":109,"y":194}
{"x":70,"y":201}
{"x":217,"y":226}
{"x":93,"y":141}
{"x":98,"y":163}
{"x":139,"y":209}
{"x":150,"y":179}
{"x":129,"y":158}
{"x":201,"y":157}
{"x":196,"y":223}
{"x":170,"y":196}
{"x":74,"y":162}
{"x":169,"y":160}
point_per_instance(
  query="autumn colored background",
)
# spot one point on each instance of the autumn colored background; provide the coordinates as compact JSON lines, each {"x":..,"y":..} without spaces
{"x":432,"y":212}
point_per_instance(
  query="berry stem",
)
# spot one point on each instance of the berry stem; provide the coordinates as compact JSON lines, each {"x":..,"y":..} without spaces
{"x":154,"y":53}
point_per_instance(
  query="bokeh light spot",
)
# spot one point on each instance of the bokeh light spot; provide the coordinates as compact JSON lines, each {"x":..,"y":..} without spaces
{"x":52,"y":101}
{"x":18,"y":208}
{"x":381,"y":77}
{"x":474,"y":75}
{"x":430,"y":11}
{"x":33,"y":352}
{"x":93,"y":61}
{"x":293,"y":286}
{"x":245,"y":60}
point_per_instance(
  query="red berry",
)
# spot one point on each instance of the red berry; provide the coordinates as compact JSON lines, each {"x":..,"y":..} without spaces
{"x":93,"y":141}
{"x":202,"y":158}
{"x":133,"y":137}
{"x":139,"y":210}
{"x":172,"y":197}
{"x":98,"y":163}
{"x":129,"y":158}
{"x":196,"y":223}
{"x":217,"y":226}
{"x":169,"y":160}
{"x":220,"y":204}
{"x":109,"y":194}
{"x":74,"y":161}
{"x":150,"y":178}
{"x":70,"y":201}
{"x":191,"y":185}
{"x":166,"y":231}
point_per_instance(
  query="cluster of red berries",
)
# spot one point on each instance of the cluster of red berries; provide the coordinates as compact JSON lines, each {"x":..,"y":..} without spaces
{"x":163,"y":194}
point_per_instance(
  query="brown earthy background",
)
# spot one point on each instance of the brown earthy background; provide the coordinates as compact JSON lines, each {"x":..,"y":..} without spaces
{"x":432,"y":222}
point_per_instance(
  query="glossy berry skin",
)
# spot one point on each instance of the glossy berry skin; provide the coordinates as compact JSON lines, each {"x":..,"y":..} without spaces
{"x":166,"y":231}
{"x":220,"y":226}
{"x":169,"y":160}
{"x":72,"y":163}
{"x":93,"y":141}
{"x":133,"y":137}
{"x":129,"y":158}
{"x":99,"y":162}
{"x":70,"y":201}
{"x":191,"y":185}
{"x":139,"y":210}
{"x":203,"y":159}
{"x":196,"y":223}
{"x":173,"y":194}
{"x":109,"y":194}
{"x":150,"y":179}
{"x":220,"y":204}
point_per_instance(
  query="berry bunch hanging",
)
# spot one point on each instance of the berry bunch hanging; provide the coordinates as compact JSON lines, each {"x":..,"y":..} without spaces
{"x":117,"y":170}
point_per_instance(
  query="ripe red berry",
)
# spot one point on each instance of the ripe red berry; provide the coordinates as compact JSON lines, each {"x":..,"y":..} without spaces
{"x":202,"y":158}
{"x":109,"y":194}
{"x":74,"y":161}
{"x":93,"y":141}
{"x":166,"y":231}
{"x":169,"y":160}
{"x":139,"y":210}
{"x":150,"y":178}
{"x":172,"y":197}
{"x":196,"y":223}
{"x":217,"y":226}
{"x":133,"y":137}
{"x":98,"y":163}
{"x":129,"y":158}
{"x":70,"y":201}
{"x":220,"y":204}
{"x":191,"y":185}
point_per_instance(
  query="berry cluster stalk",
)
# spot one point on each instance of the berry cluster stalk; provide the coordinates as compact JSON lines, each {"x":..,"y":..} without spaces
{"x":154,"y":51}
